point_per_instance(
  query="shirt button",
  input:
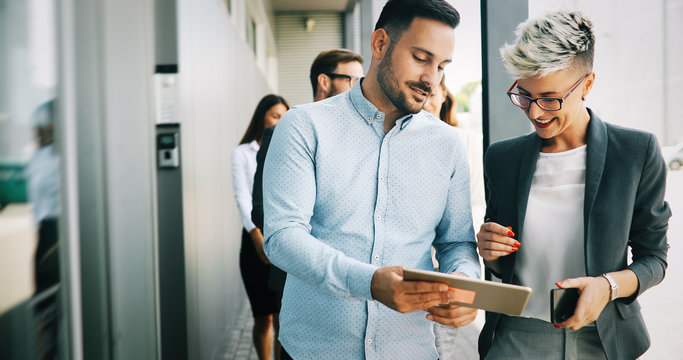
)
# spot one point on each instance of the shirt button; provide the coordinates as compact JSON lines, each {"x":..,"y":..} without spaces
{"x":378,"y":217}
{"x":369,"y":341}
{"x":376,"y":257}
{"x":381,"y":178}
{"x":379,"y":116}
{"x":385,"y":140}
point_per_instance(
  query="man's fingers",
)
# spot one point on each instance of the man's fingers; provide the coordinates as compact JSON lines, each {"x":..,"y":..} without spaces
{"x":451,"y":311}
{"x":459,"y":319}
{"x":423,"y":287}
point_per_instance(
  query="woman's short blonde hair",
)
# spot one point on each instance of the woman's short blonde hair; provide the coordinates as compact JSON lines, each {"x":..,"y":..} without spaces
{"x":550,"y":43}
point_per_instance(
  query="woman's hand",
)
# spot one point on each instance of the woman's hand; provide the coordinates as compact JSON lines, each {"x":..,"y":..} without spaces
{"x":593,"y":296}
{"x":494,"y":241}
{"x":257,"y":238}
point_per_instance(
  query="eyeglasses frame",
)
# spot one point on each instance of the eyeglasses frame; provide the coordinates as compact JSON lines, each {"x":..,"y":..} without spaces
{"x":352,"y":79}
{"x":535,"y":100}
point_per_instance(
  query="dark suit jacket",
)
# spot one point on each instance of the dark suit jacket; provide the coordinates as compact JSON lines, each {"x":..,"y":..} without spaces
{"x":276,"y":277}
{"x":624,"y":206}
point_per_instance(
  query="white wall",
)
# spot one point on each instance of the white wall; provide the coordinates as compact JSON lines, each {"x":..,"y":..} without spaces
{"x":220,"y":85}
{"x":297,"y":49}
{"x":639,"y":80}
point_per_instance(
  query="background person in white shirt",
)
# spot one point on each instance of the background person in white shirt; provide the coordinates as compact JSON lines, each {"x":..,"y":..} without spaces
{"x":254,"y":265}
{"x":579,"y":193}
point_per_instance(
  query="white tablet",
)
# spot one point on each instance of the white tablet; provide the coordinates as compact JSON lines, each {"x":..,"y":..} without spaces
{"x":480,"y":294}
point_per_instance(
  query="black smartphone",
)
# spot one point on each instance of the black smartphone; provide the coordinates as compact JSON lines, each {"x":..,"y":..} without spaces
{"x":562,"y":304}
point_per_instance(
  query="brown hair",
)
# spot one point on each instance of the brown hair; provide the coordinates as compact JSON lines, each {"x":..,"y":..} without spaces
{"x":327,"y":61}
{"x":255,"y":129}
{"x":447,"y":113}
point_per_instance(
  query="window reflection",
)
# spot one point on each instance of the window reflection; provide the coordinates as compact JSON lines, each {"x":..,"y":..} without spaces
{"x":29,"y":182}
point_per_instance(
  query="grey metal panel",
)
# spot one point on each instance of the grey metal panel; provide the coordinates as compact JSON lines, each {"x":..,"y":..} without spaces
{"x":171,"y":255}
{"x":501,"y":119}
{"x":297,"y":49}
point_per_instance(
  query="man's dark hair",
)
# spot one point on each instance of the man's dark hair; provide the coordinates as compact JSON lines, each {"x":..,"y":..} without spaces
{"x":397,"y":15}
{"x":328,"y":60}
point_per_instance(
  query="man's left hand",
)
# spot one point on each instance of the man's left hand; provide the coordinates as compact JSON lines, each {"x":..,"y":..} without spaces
{"x":452,"y":315}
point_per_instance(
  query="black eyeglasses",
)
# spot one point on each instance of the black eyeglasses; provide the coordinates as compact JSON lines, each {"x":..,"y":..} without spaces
{"x":545,"y":103}
{"x":352,"y":79}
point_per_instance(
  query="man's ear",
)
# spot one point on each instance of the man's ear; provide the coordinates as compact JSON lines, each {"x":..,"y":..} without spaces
{"x":379,"y":43}
{"x":324,"y":83}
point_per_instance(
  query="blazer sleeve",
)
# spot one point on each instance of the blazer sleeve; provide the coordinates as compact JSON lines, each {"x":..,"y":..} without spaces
{"x":651,"y":215}
{"x":491,"y":204}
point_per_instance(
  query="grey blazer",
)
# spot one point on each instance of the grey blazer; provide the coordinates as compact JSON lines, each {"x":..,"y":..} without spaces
{"x":623,"y":207}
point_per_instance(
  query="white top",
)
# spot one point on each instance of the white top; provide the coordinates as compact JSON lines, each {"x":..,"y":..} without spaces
{"x":552,"y":247}
{"x":243,"y":170}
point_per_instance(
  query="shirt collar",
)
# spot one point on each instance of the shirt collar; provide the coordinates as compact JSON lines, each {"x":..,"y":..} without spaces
{"x":254,"y":145}
{"x":369,"y":111}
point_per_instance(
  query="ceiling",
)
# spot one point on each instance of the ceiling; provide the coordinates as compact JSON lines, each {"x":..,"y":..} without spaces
{"x":312,"y":5}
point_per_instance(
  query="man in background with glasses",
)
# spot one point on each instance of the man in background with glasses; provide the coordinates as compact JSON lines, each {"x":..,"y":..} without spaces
{"x":335,"y":71}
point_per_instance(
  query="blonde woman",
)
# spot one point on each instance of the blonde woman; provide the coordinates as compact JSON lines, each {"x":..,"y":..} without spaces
{"x":566,"y":204}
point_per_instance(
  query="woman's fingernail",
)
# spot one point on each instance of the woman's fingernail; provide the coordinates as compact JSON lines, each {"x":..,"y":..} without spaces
{"x":509,"y":252}
{"x":557,"y":326}
{"x":559,"y":283}
{"x":510,"y":233}
{"x":515,"y":249}
{"x":517,"y":243}
{"x":510,"y":227}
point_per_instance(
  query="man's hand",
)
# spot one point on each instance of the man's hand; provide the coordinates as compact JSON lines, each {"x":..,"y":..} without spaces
{"x":257,"y":238}
{"x":593,"y":296}
{"x":452,"y":315}
{"x":389,"y":288}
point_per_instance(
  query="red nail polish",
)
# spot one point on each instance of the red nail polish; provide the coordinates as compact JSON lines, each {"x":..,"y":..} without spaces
{"x":510,"y":233}
{"x":558,"y":284}
{"x":509,"y":252}
{"x":510,"y":227}
{"x":515,"y":249}
{"x":517,"y":243}
{"x":557,"y":326}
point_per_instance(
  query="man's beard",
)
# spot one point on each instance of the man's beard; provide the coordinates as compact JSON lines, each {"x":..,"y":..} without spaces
{"x":386,"y":78}
{"x":332,"y":91}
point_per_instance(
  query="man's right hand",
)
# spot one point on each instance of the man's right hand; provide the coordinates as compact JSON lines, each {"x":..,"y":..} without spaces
{"x":389,"y":288}
{"x":495,"y":240}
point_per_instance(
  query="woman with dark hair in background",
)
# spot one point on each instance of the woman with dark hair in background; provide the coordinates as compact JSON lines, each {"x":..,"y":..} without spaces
{"x":254,"y":265}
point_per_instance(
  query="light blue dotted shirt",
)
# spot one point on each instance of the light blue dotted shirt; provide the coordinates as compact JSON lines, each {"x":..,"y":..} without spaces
{"x":341,"y":199}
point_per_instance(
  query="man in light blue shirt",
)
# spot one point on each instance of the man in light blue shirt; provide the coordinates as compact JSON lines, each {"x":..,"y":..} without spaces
{"x":362,"y":184}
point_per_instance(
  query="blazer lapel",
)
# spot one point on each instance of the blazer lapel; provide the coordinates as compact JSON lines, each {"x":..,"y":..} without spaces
{"x":596,"y":150}
{"x":527,"y":167}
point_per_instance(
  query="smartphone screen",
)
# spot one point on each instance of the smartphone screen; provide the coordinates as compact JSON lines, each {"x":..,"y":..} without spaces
{"x":562,"y":304}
